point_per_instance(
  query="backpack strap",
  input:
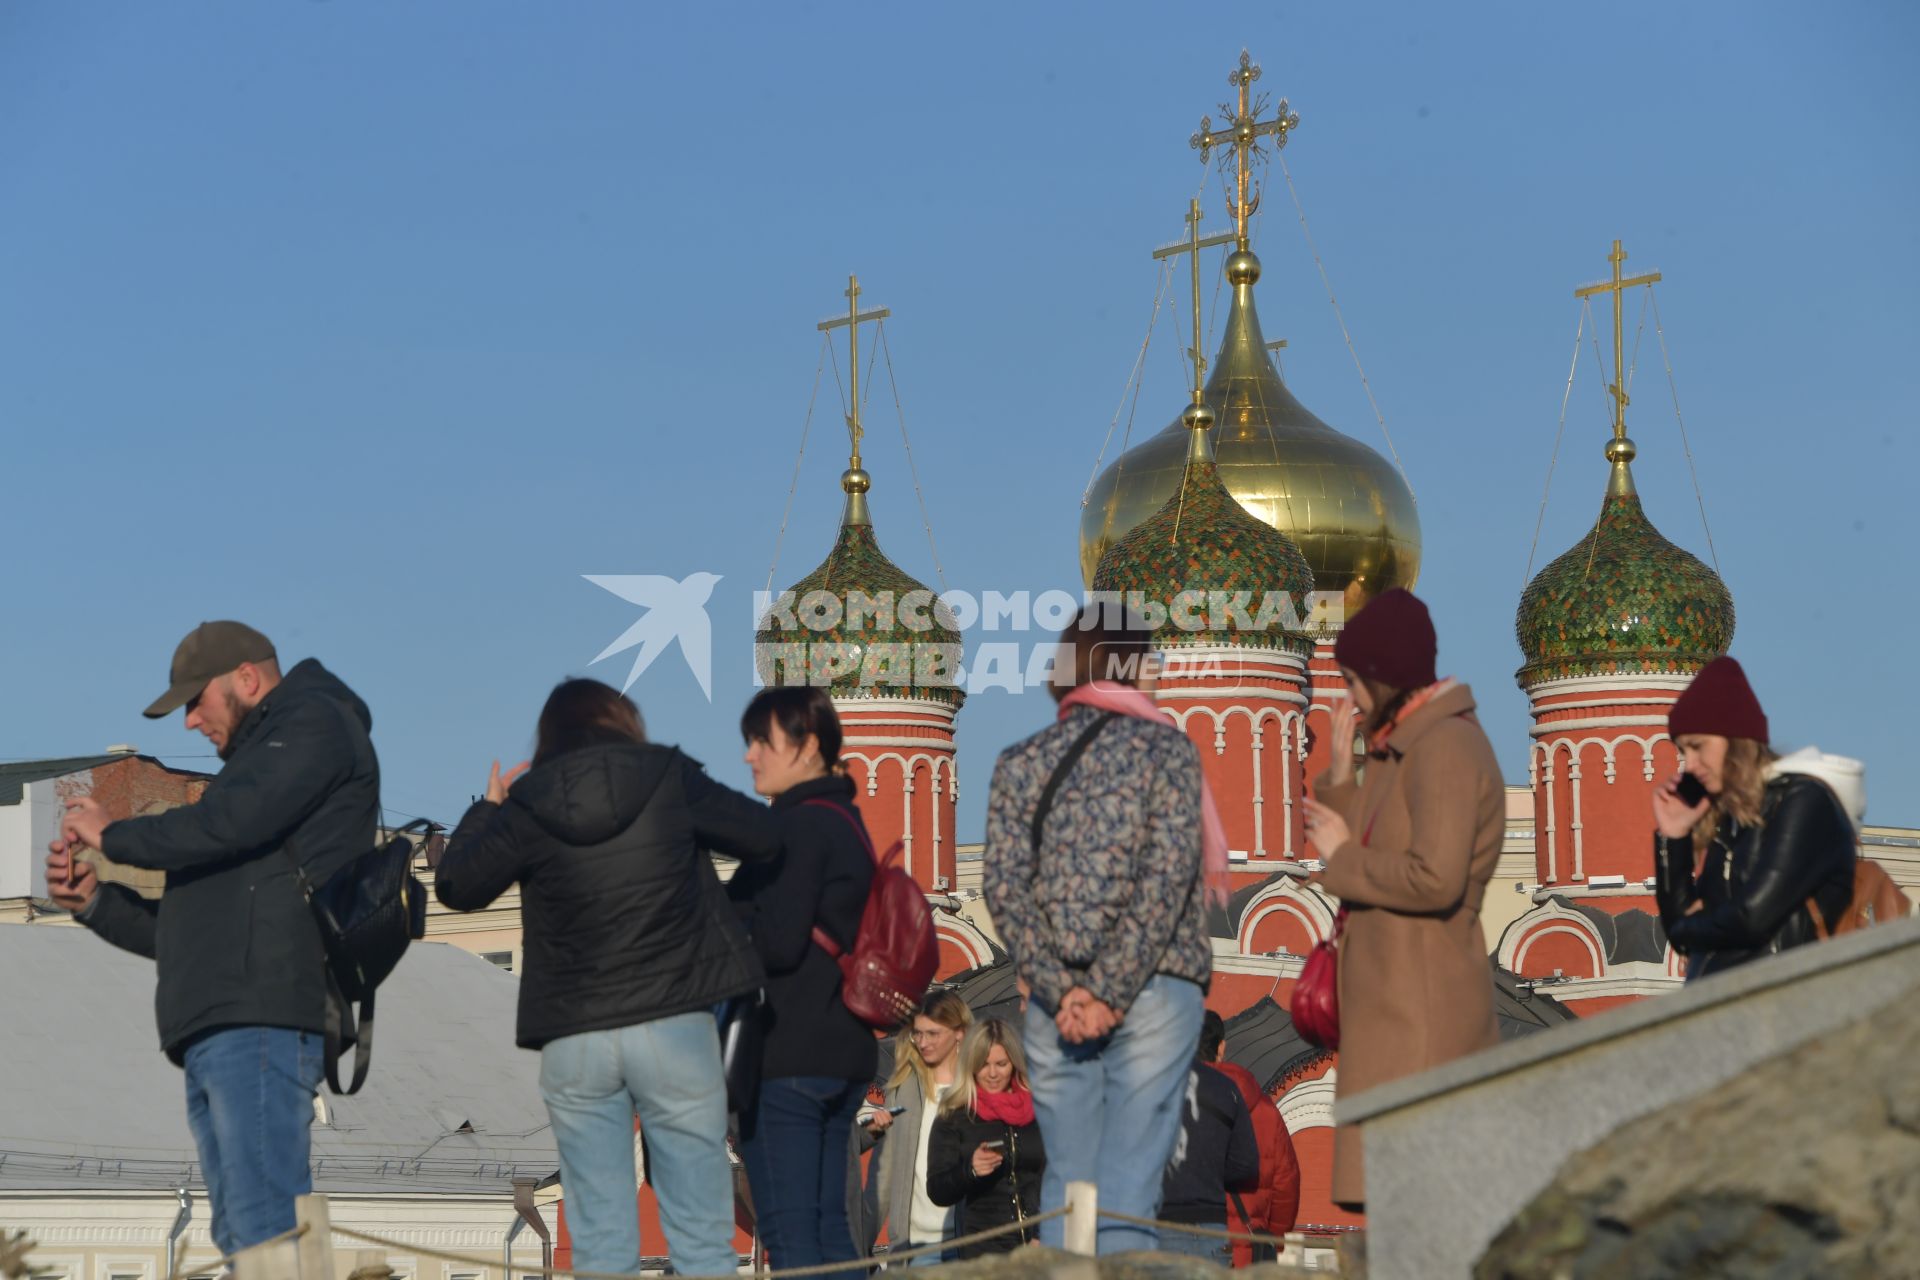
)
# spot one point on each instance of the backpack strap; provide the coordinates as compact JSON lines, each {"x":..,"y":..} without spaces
{"x":1060,"y":772}
{"x":821,"y":938}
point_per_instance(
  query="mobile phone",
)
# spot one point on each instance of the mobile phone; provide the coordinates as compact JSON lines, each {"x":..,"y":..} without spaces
{"x":1690,"y":791}
{"x":896,"y":1111}
{"x":995,"y":1145}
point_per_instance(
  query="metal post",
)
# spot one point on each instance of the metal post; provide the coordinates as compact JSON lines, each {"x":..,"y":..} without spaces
{"x":185,"y":1200}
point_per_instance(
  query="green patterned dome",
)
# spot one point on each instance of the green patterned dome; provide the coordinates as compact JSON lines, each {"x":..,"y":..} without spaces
{"x":1622,"y":600}
{"x":1201,"y":543}
{"x":870,"y":629}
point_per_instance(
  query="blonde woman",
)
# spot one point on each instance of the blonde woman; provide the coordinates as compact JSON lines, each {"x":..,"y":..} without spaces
{"x":984,"y":1154}
{"x":925,"y":1069}
{"x":1744,"y":841}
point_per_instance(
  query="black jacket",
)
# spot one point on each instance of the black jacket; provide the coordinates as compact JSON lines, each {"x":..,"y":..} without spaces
{"x":1010,"y":1193}
{"x":1217,"y":1152}
{"x":623,"y":919}
{"x":821,"y":878}
{"x":235,"y":942}
{"x":1756,"y":880}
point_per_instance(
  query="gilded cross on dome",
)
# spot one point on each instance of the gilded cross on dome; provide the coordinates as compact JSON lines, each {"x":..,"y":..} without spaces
{"x":1244,"y":131}
{"x":1617,"y":287}
{"x":856,"y":481}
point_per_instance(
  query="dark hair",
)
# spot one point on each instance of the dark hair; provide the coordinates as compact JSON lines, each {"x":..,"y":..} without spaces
{"x":1213,"y":1033}
{"x":585,"y":713}
{"x":1108,"y":642}
{"x":799,"y":710}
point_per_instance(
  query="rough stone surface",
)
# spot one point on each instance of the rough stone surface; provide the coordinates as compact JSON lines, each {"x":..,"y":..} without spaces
{"x":1036,"y":1263}
{"x":1805,"y":1165}
{"x":1455,"y":1153}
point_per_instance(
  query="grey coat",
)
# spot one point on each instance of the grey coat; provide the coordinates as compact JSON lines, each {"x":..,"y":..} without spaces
{"x":890,"y":1189}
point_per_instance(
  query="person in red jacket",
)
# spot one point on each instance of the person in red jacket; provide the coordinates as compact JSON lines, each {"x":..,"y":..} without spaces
{"x":1273,"y":1208}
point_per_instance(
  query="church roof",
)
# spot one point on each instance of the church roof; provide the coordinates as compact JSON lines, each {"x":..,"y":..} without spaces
{"x":1203,"y":542}
{"x":1622,"y":600}
{"x":904,"y":613}
{"x":451,"y":1105}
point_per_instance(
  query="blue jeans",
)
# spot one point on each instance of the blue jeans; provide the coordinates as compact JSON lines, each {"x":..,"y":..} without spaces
{"x":249,"y":1104}
{"x":1218,"y":1252}
{"x":667,"y":1072}
{"x":796,"y":1158}
{"x":1110,"y":1109}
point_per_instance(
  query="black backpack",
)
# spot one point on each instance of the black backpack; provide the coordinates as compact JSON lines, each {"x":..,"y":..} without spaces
{"x":368,"y":911}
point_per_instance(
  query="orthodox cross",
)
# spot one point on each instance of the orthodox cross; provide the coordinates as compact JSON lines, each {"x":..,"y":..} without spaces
{"x":1617,"y":287}
{"x":855,"y":317}
{"x":1243,"y":132}
{"x":1192,"y":246}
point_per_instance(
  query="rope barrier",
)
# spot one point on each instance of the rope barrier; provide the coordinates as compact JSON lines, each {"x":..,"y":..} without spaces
{"x":1215,"y":1233}
{"x":791,"y":1273}
{"x":226,"y":1259}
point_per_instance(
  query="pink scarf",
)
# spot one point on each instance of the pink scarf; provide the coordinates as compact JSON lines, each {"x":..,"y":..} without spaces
{"x":1110,"y":695}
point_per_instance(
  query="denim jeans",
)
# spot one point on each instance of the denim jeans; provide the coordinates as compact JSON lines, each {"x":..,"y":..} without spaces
{"x":1219,"y":1252}
{"x":1110,"y":1109}
{"x":667,"y":1072}
{"x":796,"y":1158}
{"x":250,"y":1104}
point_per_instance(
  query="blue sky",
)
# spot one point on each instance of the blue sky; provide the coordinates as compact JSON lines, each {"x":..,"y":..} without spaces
{"x":379,"y":325}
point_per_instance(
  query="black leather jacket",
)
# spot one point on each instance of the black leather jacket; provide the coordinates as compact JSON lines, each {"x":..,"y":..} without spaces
{"x":1756,"y":880}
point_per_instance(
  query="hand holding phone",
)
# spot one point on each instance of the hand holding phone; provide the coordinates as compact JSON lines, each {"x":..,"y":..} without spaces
{"x":1690,"y":790}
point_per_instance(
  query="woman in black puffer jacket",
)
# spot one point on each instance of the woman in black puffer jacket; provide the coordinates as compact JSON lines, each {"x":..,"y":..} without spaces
{"x":985,"y":1153}
{"x":1742,"y":872}
{"x":629,"y":944}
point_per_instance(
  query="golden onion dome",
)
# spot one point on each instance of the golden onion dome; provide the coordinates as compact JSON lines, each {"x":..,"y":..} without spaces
{"x":1344,"y":505}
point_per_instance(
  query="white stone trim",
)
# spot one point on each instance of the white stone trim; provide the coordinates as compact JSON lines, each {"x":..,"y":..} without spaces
{"x":1512,"y":953}
{"x":1580,"y":684}
{"x":1309,"y":1104}
{"x":1595,"y":722}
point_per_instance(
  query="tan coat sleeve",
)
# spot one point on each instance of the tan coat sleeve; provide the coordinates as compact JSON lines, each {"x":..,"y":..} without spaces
{"x":1429,"y":874}
{"x":1343,"y":797}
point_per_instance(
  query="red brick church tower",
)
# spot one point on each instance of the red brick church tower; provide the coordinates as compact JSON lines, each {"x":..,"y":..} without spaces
{"x":1612,"y":631}
{"x":889,"y":653}
{"x":1271,"y":499}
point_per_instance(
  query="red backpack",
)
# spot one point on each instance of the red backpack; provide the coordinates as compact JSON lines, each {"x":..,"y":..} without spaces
{"x":894,"y":955}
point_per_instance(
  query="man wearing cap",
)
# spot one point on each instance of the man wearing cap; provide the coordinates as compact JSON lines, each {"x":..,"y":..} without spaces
{"x":242,"y":997}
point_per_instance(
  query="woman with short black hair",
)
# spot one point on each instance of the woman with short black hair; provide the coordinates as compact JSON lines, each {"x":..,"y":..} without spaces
{"x":818,"y":1058}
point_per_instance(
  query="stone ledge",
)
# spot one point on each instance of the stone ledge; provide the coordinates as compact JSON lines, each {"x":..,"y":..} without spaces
{"x":1737,"y":984}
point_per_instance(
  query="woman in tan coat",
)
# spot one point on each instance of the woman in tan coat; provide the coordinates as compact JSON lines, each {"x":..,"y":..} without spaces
{"x":1409,"y":850}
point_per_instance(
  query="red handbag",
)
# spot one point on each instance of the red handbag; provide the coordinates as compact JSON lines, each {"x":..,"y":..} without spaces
{"x":1316,"y":996}
{"x":893,"y":958}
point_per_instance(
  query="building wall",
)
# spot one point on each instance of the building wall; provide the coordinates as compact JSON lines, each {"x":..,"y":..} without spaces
{"x":99,"y":1235}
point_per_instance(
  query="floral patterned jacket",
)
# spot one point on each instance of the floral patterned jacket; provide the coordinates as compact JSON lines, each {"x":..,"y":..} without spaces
{"x":1114,"y":894}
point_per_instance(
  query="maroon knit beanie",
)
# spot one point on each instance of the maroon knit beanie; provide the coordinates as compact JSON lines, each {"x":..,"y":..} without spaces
{"x":1719,"y":701}
{"x":1390,"y":640}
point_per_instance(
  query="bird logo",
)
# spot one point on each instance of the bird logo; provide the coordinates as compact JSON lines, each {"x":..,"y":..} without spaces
{"x":674,"y":611}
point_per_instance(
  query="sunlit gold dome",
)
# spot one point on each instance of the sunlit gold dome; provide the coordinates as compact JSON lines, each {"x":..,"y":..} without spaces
{"x":1343,"y":504}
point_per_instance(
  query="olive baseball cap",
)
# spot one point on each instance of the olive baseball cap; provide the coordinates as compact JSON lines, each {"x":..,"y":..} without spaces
{"x":210,"y":650}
